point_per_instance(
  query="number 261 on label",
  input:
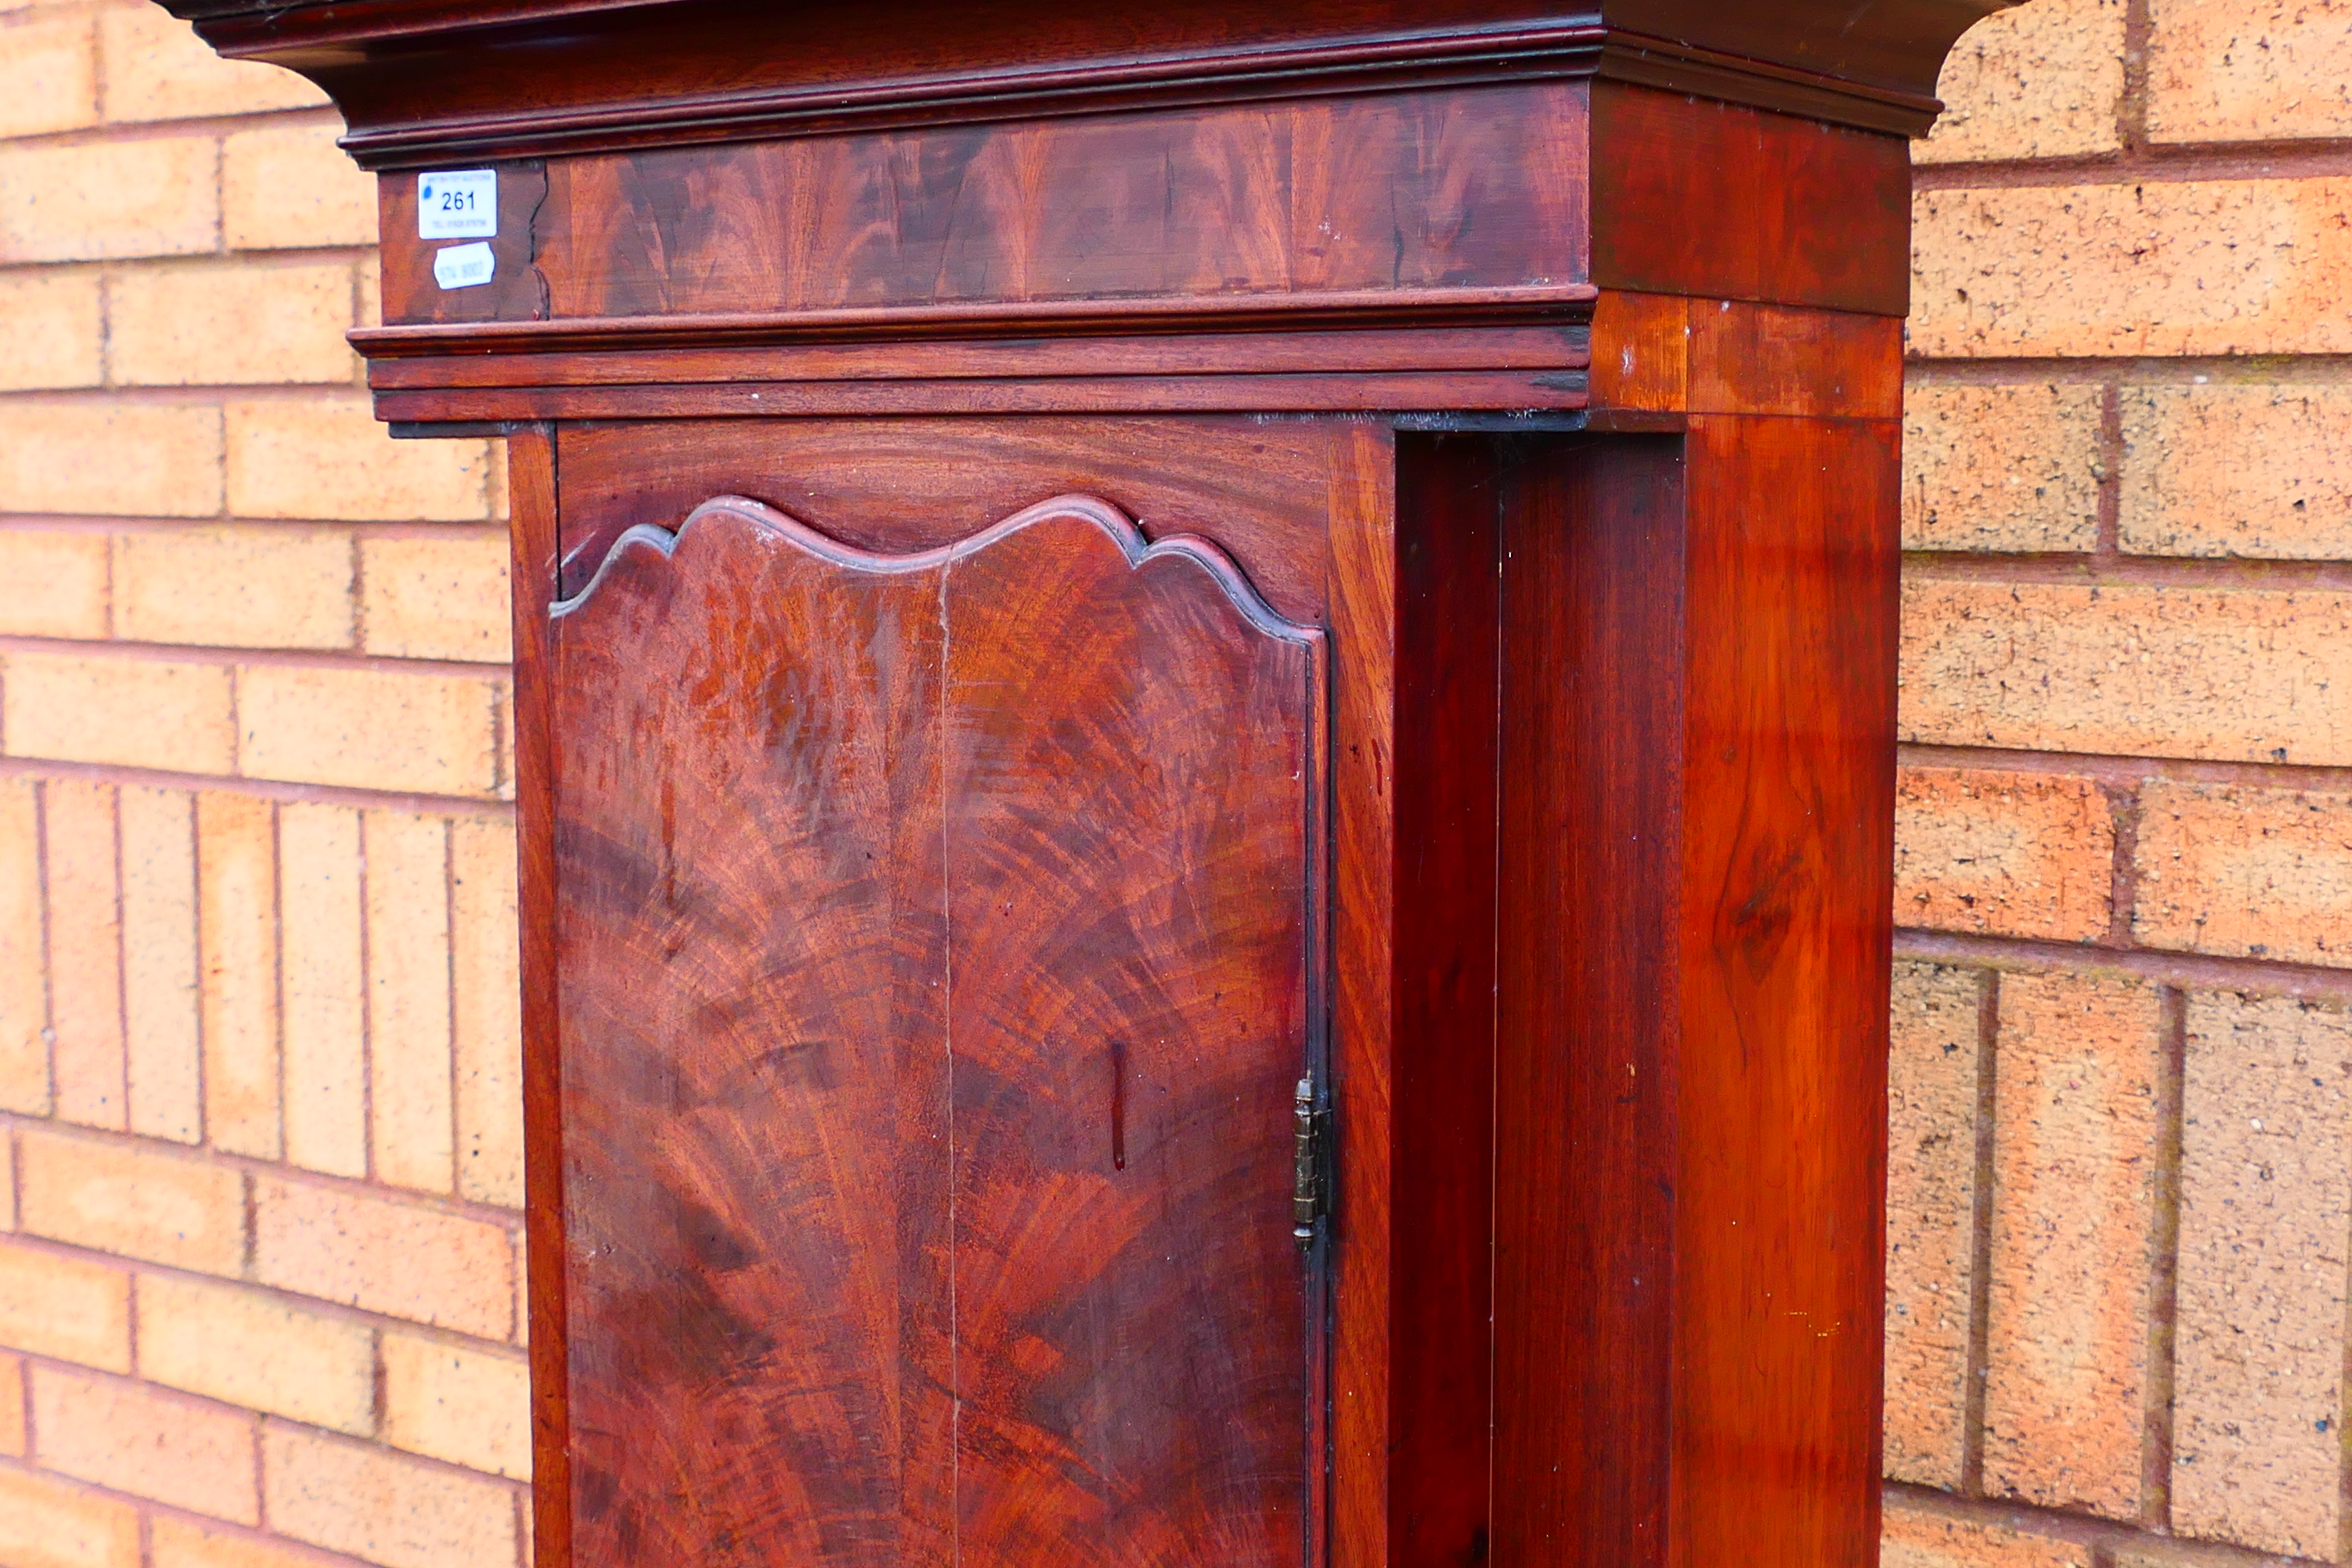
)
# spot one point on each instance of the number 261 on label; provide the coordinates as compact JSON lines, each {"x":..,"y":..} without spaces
{"x":458,"y":203}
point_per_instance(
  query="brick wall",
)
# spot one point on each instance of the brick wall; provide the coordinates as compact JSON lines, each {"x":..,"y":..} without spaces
{"x":2122,"y":1141}
{"x":259,"y":1289}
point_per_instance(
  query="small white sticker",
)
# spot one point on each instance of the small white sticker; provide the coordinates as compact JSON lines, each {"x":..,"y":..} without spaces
{"x":458,"y":203}
{"x":464,"y":266}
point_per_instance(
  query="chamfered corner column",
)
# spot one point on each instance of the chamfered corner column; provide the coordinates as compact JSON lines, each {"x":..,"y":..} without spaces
{"x":1697,"y":642}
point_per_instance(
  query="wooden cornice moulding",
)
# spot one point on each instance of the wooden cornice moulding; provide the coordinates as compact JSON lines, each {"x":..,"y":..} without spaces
{"x":1566,"y":304}
{"x":427,"y":81}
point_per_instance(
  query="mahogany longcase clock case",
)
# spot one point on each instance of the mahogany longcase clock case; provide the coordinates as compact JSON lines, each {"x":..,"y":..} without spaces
{"x":1204,"y":709}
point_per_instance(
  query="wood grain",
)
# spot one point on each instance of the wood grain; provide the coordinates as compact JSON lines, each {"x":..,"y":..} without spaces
{"x":1592,"y":697}
{"x":877,"y":346}
{"x":1498,"y":391}
{"x":1363,"y":594}
{"x":1260,"y":487}
{"x":1729,"y":203}
{"x":536,"y":548}
{"x":424,"y":81}
{"x":1479,"y":188}
{"x":1441,"y":960}
{"x":928,"y":914}
{"x":928,"y":1041}
{"x":1786,"y":929}
{"x":1697,"y":639}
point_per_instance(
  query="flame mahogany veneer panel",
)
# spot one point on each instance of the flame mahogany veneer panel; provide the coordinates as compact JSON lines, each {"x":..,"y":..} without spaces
{"x":934,"y":965}
{"x":1400,"y":193}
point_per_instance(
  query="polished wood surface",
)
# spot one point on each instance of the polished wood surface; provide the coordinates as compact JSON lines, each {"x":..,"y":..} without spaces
{"x":1262,"y":489}
{"x":1329,"y":195}
{"x":928,"y":916}
{"x":534,"y":536}
{"x":927,"y":1033}
{"x":427,"y":80}
{"x":1592,"y":610}
{"x":1722,"y":202}
{"x":1787,"y":899}
{"x":1442,"y":958}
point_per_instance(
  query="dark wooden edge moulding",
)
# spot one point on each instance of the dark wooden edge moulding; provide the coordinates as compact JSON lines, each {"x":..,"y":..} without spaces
{"x":421,"y":81}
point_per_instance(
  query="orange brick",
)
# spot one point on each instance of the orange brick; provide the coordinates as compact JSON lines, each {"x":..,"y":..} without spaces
{"x":471,"y":1407}
{"x":150,"y":1444}
{"x":1931,"y":1219}
{"x":157,"y":69}
{"x":317,"y":458}
{"x":354,"y":1498}
{"x":51,"y":323}
{"x":2044,"y":81}
{"x":2074,"y":1148}
{"x":85,"y":953}
{"x":2247,"y":71}
{"x":437,"y":598}
{"x":185,"y":1543}
{"x":12,"y":1405}
{"x":2235,"y":674}
{"x":243,"y":1347}
{"x":502,"y":499}
{"x":132,"y":1199}
{"x":235,"y":587}
{"x":2251,"y":872}
{"x":290,"y":186}
{"x":2134,"y":269}
{"x":325,"y":1023}
{"x":110,"y":460}
{"x":414,"y":1122}
{"x":115,"y":707}
{"x":103,"y":200}
{"x":2237,"y":470}
{"x":487,"y":990}
{"x":370,"y":314}
{"x":2001,"y":468}
{"x":166,"y":1065}
{"x":386,"y":1256}
{"x":24,"y":987}
{"x":232,"y":323}
{"x":506,"y":729}
{"x":1915,"y":1537}
{"x":2265,"y":1201}
{"x":49,"y":76}
{"x":2138,"y":1551}
{"x":49,"y":1524}
{"x":53,"y":583}
{"x":2007,"y":854}
{"x":381,"y":729}
{"x":236,"y":880}
{"x":69,"y":1307}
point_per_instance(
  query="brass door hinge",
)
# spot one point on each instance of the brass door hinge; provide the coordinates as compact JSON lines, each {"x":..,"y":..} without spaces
{"x":1310,"y":1184}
